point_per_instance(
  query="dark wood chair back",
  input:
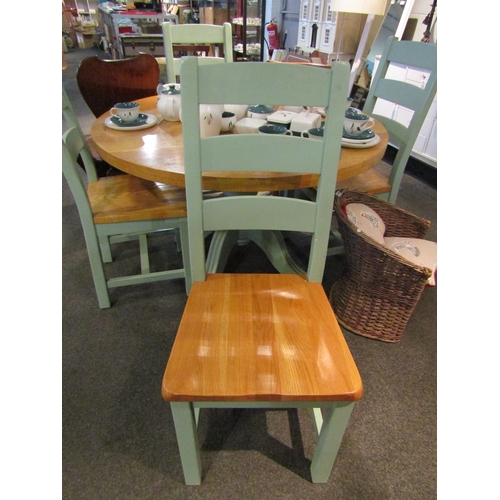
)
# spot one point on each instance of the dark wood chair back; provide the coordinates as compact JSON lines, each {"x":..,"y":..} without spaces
{"x":104,"y":83}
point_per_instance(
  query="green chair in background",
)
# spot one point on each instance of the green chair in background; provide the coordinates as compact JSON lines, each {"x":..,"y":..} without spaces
{"x":194,"y":34}
{"x":416,"y":100}
{"x":122,"y":208}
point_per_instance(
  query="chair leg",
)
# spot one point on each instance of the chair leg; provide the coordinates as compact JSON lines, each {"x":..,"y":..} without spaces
{"x":187,"y":440}
{"x":143,"y":249}
{"x":332,"y":430}
{"x":184,"y":244}
{"x":338,"y":245}
{"x":105,"y":249}
{"x":100,"y":282}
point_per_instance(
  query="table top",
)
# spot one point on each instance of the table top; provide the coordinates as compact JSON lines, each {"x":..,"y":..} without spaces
{"x":157,"y":154}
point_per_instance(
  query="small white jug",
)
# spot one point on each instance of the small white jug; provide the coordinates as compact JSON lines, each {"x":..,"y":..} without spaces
{"x":169,"y":104}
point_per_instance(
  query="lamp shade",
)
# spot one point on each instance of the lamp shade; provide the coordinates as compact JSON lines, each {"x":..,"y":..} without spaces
{"x":376,"y":7}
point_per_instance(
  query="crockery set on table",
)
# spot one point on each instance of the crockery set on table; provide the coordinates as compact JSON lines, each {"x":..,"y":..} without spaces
{"x":242,"y":119}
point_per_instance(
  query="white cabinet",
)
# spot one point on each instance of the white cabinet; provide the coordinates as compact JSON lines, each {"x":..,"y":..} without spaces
{"x":425,"y":147}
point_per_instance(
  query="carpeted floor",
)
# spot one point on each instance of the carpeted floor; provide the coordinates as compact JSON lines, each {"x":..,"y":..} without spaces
{"x":118,"y":437}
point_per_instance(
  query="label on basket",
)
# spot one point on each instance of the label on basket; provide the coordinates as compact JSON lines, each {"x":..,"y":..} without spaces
{"x":420,"y":252}
{"x":366,"y":220}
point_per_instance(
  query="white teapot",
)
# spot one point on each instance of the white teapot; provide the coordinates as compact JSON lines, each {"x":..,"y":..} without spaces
{"x":169,"y":104}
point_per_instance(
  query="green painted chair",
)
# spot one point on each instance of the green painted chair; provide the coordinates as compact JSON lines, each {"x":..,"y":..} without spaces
{"x":122,"y":208}
{"x":195,"y":34}
{"x":100,"y":167}
{"x":261,"y":340}
{"x":416,"y":99}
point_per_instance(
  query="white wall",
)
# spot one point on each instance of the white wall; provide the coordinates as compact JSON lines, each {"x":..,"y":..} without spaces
{"x":419,"y":11}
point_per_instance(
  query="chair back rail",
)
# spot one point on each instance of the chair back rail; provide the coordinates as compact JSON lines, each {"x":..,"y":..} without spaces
{"x":261,"y":152}
{"x":72,"y":121}
{"x":194,"y":34}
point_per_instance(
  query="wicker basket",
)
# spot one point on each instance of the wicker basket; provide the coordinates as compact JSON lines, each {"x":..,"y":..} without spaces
{"x":380,"y":289}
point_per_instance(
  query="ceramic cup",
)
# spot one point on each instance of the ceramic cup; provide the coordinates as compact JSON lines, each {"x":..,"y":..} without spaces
{"x":313,"y":133}
{"x":356,"y":122}
{"x":271,"y":128}
{"x":210,"y":119}
{"x":126,"y":111}
{"x":240,"y":110}
{"x":228,"y":121}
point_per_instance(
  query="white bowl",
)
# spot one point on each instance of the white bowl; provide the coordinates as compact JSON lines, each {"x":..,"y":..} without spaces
{"x":248,"y":125}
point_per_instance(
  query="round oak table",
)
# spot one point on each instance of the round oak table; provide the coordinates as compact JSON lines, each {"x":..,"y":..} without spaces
{"x":156,"y":154}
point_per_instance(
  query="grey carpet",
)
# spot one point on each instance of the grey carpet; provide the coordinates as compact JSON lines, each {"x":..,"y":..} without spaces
{"x":118,"y":437}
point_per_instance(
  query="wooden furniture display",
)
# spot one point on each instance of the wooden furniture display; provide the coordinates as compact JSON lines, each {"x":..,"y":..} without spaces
{"x":104,"y":83}
{"x":120,"y":208}
{"x":414,"y":100}
{"x":192,"y":36}
{"x":261,"y":340}
{"x":380,"y":289}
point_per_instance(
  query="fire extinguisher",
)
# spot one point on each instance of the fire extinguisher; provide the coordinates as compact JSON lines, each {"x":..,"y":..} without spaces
{"x":272,"y":34}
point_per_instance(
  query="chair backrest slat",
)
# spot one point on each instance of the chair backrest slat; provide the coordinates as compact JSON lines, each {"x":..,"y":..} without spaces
{"x":271,"y":213}
{"x":243,"y":84}
{"x":174,"y":34}
{"x":261,"y":153}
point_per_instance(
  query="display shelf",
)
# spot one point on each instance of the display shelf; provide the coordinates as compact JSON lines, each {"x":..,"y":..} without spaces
{"x":248,"y":30}
{"x":136,"y":23}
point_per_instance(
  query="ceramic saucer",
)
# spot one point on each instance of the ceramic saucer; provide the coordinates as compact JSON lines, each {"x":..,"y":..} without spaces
{"x":364,"y":136}
{"x":135,"y":125}
{"x":141,"y":120}
{"x":346,"y":143}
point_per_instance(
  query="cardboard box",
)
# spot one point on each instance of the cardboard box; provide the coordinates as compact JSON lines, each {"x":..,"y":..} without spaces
{"x":84,"y":40}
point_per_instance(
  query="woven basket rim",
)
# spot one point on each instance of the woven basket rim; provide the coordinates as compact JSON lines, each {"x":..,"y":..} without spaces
{"x":339,"y":213}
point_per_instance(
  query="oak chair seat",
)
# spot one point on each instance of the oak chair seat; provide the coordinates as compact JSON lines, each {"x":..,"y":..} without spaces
{"x":125,"y":198}
{"x":371,"y":181}
{"x":261,"y":351}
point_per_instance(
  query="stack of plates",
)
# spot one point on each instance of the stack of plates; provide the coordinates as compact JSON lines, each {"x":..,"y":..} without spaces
{"x":366,"y":139}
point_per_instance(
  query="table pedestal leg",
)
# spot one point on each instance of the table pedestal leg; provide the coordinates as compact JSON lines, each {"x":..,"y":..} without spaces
{"x":274,"y":246}
{"x":271,"y":242}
